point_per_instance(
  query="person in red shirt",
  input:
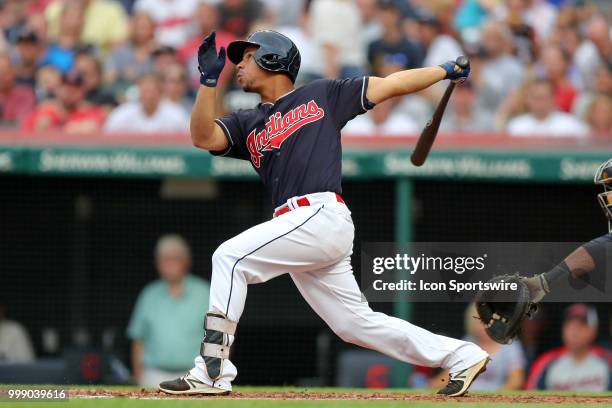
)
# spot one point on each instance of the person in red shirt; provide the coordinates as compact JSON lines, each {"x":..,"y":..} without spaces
{"x":556,"y":64}
{"x":16,"y":101}
{"x":69,"y":112}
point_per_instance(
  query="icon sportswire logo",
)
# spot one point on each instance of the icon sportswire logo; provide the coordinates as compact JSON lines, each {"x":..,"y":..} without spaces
{"x":279,"y":127}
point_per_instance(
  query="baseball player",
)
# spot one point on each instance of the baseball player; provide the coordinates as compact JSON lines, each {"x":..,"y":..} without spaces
{"x":292,"y":139}
{"x":592,"y":257}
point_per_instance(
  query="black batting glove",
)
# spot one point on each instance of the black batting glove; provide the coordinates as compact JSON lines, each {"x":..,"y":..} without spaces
{"x":455,"y":72}
{"x":210,"y":64}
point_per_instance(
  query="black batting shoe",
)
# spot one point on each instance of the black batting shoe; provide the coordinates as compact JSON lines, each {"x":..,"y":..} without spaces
{"x":189,"y":385}
{"x":459,"y":382}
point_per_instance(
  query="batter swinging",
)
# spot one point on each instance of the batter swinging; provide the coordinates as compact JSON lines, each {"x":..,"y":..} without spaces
{"x":292,"y":139}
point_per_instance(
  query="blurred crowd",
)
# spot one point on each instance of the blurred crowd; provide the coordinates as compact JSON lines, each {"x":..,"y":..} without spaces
{"x":539,"y":67}
{"x":579,"y":363}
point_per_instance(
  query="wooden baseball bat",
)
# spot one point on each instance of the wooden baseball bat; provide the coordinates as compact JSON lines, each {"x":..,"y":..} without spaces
{"x":428,"y":135}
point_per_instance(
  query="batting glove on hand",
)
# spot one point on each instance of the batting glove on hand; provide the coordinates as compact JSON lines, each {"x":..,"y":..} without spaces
{"x":538,"y":287}
{"x":210,"y":64}
{"x":454,"y":71}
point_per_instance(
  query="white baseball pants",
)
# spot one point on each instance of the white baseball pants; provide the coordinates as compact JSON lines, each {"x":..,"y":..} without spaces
{"x":313,"y":244}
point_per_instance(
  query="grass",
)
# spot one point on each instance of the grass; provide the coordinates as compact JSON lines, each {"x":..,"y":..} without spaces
{"x":501,"y":402}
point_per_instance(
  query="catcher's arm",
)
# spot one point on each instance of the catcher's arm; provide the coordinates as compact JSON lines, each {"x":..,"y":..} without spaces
{"x":502,"y":314}
{"x":585,"y":259}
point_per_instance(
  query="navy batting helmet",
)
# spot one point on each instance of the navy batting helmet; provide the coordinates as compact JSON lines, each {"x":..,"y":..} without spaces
{"x":276,"y":52}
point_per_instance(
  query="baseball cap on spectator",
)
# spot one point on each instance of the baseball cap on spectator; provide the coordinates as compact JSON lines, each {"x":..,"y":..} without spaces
{"x":72,"y":78}
{"x":163,"y":50}
{"x":388,"y":5}
{"x":425,"y":17}
{"x":395,"y":59}
{"x":25,"y":35}
{"x":580,"y":311}
{"x":475,"y":51}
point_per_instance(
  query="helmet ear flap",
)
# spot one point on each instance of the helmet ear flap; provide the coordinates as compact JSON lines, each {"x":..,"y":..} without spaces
{"x":272,"y":61}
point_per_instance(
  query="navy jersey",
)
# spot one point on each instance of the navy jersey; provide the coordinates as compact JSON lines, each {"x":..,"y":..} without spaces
{"x":294,"y":143}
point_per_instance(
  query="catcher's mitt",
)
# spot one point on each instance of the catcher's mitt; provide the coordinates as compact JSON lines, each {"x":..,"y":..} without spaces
{"x":502,"y":311}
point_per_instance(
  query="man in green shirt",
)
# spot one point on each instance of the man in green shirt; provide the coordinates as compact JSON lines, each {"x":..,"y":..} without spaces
{"x":166,"y":326}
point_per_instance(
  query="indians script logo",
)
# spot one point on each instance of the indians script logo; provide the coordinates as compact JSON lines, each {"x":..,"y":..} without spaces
{"x":279,"y":127}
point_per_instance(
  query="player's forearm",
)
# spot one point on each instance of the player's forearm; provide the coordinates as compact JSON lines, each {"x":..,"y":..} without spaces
{"x":589,"y":257}
{"x":202,"y":123}
{"x":403,"y":82}
{"x":414,"y":80}
{"x":580,"y":262}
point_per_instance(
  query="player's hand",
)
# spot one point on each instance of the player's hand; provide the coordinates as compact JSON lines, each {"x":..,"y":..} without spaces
{"x":454,"y":72}
{"x":538,"y":287}
{"x":210,"y":64}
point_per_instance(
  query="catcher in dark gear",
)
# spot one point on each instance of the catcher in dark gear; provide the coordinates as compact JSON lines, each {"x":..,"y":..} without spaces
{"x":502,"y":319}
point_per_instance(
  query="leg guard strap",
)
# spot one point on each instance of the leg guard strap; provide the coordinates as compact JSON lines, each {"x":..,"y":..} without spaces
{"x":215,"y":347}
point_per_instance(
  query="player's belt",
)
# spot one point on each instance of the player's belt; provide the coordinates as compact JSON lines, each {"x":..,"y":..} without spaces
{"x":300,"y":202}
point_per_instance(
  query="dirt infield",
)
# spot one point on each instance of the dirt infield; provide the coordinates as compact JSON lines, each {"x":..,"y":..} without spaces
{"x":526,"y":398}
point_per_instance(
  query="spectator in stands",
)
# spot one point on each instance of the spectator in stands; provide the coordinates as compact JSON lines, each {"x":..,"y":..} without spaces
{"x":554,"y":64}
{"x":372,"y":29}
{"x":579,"y":365}
{"x":538,"y":14}
{"x":392,"y":42}
{"x":206,"y":20}
{"x":599,"y":117}
{"x":130,"y":60}
{"x":38,"y":23}
{"x":90,"y":69}
{"x":69,"y":111}
{"x":13,"y":18}
{"x":506,"y":371}
{"x":470,"y":15}
{"x":151,"y":113}
{"x":524,"y":35}
{"x":15,"y":344}
{"x":542,"y":119}
{"x":239,"y":16}
{"x":311,"y":67}
{"x":166,"y":324}
{"x":339,"y":45}
{"x":283,"y":12}
{"x":104,"y":22}
{"x":128,"y":5}
{"x":48,"y":81}
{"x":27,"y":55}
{"x":385,"y":119}
{"x":496,"y":39}
{"x":172,"y":17}
{"x":176,"y":87}
{"x":439,"y":47}
{"x":566,"y":36}
{"x":464,"y":115}
{"x":163,"y":58}
{"x":601,"y":84}
{"x":16,"y":101}
{"x":595,"y":50}
{"x":62,"y":50}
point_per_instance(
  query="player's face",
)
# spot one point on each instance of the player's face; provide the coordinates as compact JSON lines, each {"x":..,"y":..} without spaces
{"x":249,"y":74}
{"x":577,"y":335}
{"x":172,"y":265}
